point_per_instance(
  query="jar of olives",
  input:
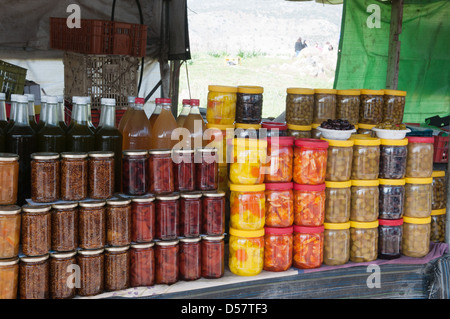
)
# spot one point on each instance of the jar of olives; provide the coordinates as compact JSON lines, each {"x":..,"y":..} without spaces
{"x":438,"y":225}
{"x":416,"y":236}
{"x":439,"y":194}
{"x":299,"y":106}
{"x":363,"y":241}
{"x":366,"y":129}
{"x":419,"y":161}
{"x":394,"y":106}
{"x":371,"y":108}
{"x":393,"y":155}
{"x":221,"y":108}
{"x":339,"y":161}
{"x":366,"y":157}
{"x":390,"y":238}
{"x":324,"y":105}
{"x":418,"y":197}
{"x":337,"y":202}
{"x":336,"y":243}
{"x":249,"y":101}
{"x":299,"y":131}
{"x":347,"y":105}
{"x":365,"y":197}
{"x":392,"y":198}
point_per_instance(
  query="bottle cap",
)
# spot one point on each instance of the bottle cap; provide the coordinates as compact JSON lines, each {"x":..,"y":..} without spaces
{"x":22,"y":99}
{"x":139,"y":100}
{"x":106,"y":101}
{"x":52,"y":100}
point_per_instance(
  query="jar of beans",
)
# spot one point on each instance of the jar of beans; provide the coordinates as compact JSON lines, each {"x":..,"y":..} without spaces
{"x":365,"y":200}
{"x":324,"y":105}
{"x":339,"y":161}
{"x":34,"y":277}
{"x":92,"y":270}
{"x":439,"y":194}
{"x":366,"y":157}
{"x":299,"y":131}
{"x":438,"y":225}
{"x":36,"y":230}
{"x":117,"y":268}
{"x":337,"y":202}
{"x":62,"y":265}
{"x":101,"y":174}
{"x":64,"y":226}
{"x":118,"y":222}
{"x":92,"y":225}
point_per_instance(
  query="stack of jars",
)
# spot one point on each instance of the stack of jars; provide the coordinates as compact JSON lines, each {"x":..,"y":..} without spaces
{"x":439,"y":207}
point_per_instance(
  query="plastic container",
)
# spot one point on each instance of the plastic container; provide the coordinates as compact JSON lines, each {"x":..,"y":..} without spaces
{"x":299,"y":106}
{"x":366,"y":157}
{"x":363,"y":241}
{"x":279,"y":205}
{"x":36,"y":230}
{"x":216,"y":136}
{"x":336,"y":243}
{"x":183,"y":170}
{"x":117,"y":268}
{"x":167,"y":217}
{"x":62,"y":286}
{"x":34,"y":273}
{"x":190,"y":214}
{"x":118,"y":222}
{"x":167,"y":262}
{"x":246,"y":254}
{"x":393,"y":154}
{"x":246,"y":167}
{"x":339,"y":161}
{"x":419,"y":161}
{"x":439,"y":194}
{"x":221,"y":108}
{"x":324,"y":105}
{"x":213,"y":256}
{"x":9,"y":178}
{"x":390,"y":233}
{"x":366,"y":129}
{"x":309,"y":205}
{"x":310,"y":161}
{"x":275,"y":128}
{"x":213,"y":209}
{"x":160,"y":173}
{"x":337,"y":202}
{"x":190,"y":263}
{"x":249,"y":103}
{"x":135,"y":172}
{"x":10,"y":223}
{"x":64,"y":217}
{"x":142,"y":264}
{"x":391,"y":198}
{"x":247,"y":206}
{"x":347,"y":105}
{"x":45,"y":177}
{"x":101,"y":175}
{"x":206,"y":169}
{"x":280,"y":156}
{"x":143,"y":218}
{"x":308,"y":247}
{"x":9,"y":278}
{"x":365,"y":200}
{"x":394,"y":106}
{"x":92,"y":270}
{"x":438,"y":225}
{"x":371,"y":108}
{"x":418,"y":197}
{"x":91,"y":225}
{"x":299,"y":131}
{"x":278,"y":248}
{"x":74,"y":176}
{"x":416,"y":236}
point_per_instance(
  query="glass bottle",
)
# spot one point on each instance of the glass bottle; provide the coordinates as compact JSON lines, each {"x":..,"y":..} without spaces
{"x":74,"y":112}
{"x":163,"y":127}
{"x":62,"y":113}
{"x":3,"y":117}
{"x":87,"y":100}
{"x":31,"y":112}
{"x":137,"y":133}
{"x":51,"y":137}
{"x":127,"y":113}
{"x":21,"y":139}
{"x":42,"y":112}
{"x":109,"y":138}
{"x":156,"y":111}
{"x":185,"y":110}
{"x":195,"y":124}
{"x":12,"y":111}
{"x":80,"y":137}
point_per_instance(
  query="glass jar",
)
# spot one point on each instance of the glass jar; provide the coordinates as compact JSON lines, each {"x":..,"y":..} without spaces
{"x":213,"y":256}
{"x":336,"y":243}
{"x":190,"y":262}
{"x":9,"y":278}
{"x":391,"y":198}
{"x":324,"y":105}
{"x":418,"y":195}
{"x":246,"y":252}
{"x":299,"y":131}
{"x":92,"y":270}
{"x":135,"y":172}
{"x":347,"y":105}
{"x":279,"y":204}
{"x":365,"y":200}
{"x":206,"y":169}
{"x":160,"y":173}
{"x":252,"y":131}
{"x":315,"y":133}
{"x":10,"y":223}
{"x":167,"y":262}
{"x":275,"y":128}
{"x":394,"y":106}
{"x":117,"y":268}
{"x":366,"y":129}
{"x":419,"y":161}
{"x":167,"y":217}
{"x":393,"y":158}
{"x":143,"y":218}
{"x":36,"y":230}
{"x":309,"y":205}
{"x":299,"y":106}
{"x":278,"y":248}
{"x":217,"y":136}
{"x":74,"y":176}
{"x":438,"y":225}
{"x":246,"y":163}
{"x":371,"y":108}
{"x":310,"y":161}
{"x":280,"y":156}
{"x":9,"y":178}
{"x":34,"y":277}
{"x":339,"y":160}
{"x":61,"y":267}
{"x":416,"y":236}
{"x":363,"y":241}
{"x":247,"y":206}
{"x":45,"y":177}
{"x":91,"y":225}
{"x":213,"y":213}
{"x":338,"y":199}
{"x":308,"y":247}
{"x":390,"y":238}
{"x":190,"y":214}
{"x":64,"y":226}
{"x":142,"y":265}
{"x":221,"y":108}
{"x":223,"y":178}
{"x":118,"y":222}
{"x":183,"y":170}
{"x":366,"y":157}
{"x":101,"y":175}
{"x":439,"y":193}
{"x":249,"y":103}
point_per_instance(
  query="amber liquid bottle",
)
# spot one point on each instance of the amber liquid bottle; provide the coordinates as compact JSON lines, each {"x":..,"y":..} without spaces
{"x":196,"y":125}
{"x":127,"y":113}
{"x":80,"y":137}
{"x":156,"y":112}
{"x":164,"y":126}
{"x":185,"y":110}
{"x":51,"y":137}
{"x":3,"y":116}
{"x":137,"y":132}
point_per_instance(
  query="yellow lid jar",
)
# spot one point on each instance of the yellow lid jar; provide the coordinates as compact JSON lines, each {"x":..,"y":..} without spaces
{"x":299,"y":106}
{"x":416,"y":236}
{"x":221,"y":108}
{"x":394,"y":106}
{"x":336,"y":243}
{"x":246,"y":252}
{"x":246,"y":161}
{"x":363,"y":241}
{"x":247,"y":206}
{"x":347,"y":105}
{"x":418,"y":196}
{"x":366,"y":157}
{"x":324,"y":105}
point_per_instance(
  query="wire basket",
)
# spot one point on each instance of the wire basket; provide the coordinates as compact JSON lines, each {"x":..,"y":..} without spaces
{"x":12,"y":79}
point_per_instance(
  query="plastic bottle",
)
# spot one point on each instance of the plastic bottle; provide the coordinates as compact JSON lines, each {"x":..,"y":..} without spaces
{"x":80,"y":137}
{"x":184,"y":112}
{"x":137,"y":132}
{"x":156,"y":111}
{"x":52,"y":137}
{"x":127,"y":113}
{"x":196,"y":125}
{"x":164,"y":126}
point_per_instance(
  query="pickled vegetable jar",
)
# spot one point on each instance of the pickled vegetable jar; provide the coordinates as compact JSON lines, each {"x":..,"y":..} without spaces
{"x":143,"y":219}
{"x":213,"y":256}
{"x":324,"y":105}
{"x":142,"y":264}
{"x":279,"y":205}
{"x":74,"y":176}
{"x":190,"y":263}
{"x":10,"y":223}
{"x":34,"y":278}
{"x":418,"y":195}
{"x":280,"y":156}
{"x":216,"y":136}
{"x":61,"y":266}
{"x":206,"y":169}
{"x":337,"y":202}
{"x":9,"y":278}
{"x":249,"y":103}
{"x":167,"y":262}
{"x":310,"y":161}
{"x":64,"y":226}
{"x":167,"y":217}
{"x":390,"y":233}
{"x":221,"y":108}
{"x":393,"y":155}
{"x":101,"y":174}
{"x":416,"y":236}
{"x":366,"y":129}
{"x":135,"y":171}
{"x":92,"y":225}
{"x":244,"y":130}
{"x":309,"y":205}
{"x":275,"y":128}
{"x":347,"y":105}
{"x":299,"y":131}
{"x":117,"y":268}
{"x":371,"y":108}
{"x":336,"y":243}
{"x":366,"y":157}
{"x":394,"y":106}
{"x":118,"y":222}
{"x":419,"y":161}
{"x":308,"y":247}
{"x":299,"y":106}
{"x":439,"y":194}
{"x":365,"y":200}
{"x":438,"y":225}
{"x":246,"y":252}
{"x":213,"y":213}
{"x":36,"y":230}
{"x":247,"y":206}
{"x":246,"y":167}
{"x":363,"y":241}
{"x":339,"y":161}
{"x":190,"y":214}
{"x":92,"y":270}
{"x":9,"y":178}
{"x":160,"y":172}
{"x":45,"y":177}
{"x":278,"y":248}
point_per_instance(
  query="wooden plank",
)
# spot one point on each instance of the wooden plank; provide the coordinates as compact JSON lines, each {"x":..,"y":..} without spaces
{"x":394,"y":44}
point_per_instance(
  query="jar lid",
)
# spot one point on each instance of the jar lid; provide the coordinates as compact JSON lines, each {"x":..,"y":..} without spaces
{"x":371,"y":92}
{"x":65,"y":205}
{"x":247,"y":233}
{"x":436,"y":212}
{"x":143,"y":199}
{"x":77,"y":155}
{"x":366,"y":126}
{"x":311,"y":188}
{"x":191,"y":195}
{"x":182,"y":151}
{"x":9,"y":261}
{"x":279,"y":230}
{"x":416,"y":220}
{"x":8,"y":157}
{"x":368,"y":182}
{"x":279,"y":186}
{"x":395,"y":92}
{"x":168,"y":197}
{"x":399,"y":182}
{"x":281,"y":140}
{"x":325,"y":91}
{"x":65,"y":254}
{"x":34,"y":259}
{"x":91,"y":252}
{"x":373,"y":224}
{"x":213,"y":237}
{"x":142,"y":245}
{"x":160,"y":152}
{"x":206,"y":150}
{"x":366,"y":140}
{"x":249,"y":142}
{"x":274,"y":125}
{"x":10,"y":210}
{"x":44,"y":155}
{"x":295,"y":127}
{"x":2,"y":96}
{"x":107,"y":101}
{"x":299,"y":91}
{"x":92,"y":203}
{"x":27,"y":208}
{"x":190,"y":239}
{"x":249,"y":89}
{"x":214,"y":194}
{"x":339,"y":143}
{"x":118,"y":202}
{"x":247,"y":188}
{"x":344,"y":184}
{"x":336,"y":225}
{"x":401,"y":142}
{"x":135,"y":152}
{"x":308,"y":229}
{"x":311,"y":143}
{"x":420,"y":139}
{"x":222,"y":127}
{"x":390,"y":222}
{"x":419,"y":180}
{"x":117,"y":248}
{"x":247,"y":126}
{"x":222,"y":88}
{"x":101,"y":154}
{"x":438,"y":174}
{"x":348,"y":92}
{"x":167,"y":242}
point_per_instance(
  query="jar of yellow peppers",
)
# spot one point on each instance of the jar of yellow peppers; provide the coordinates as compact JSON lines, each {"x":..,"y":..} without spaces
{"x":246,"y":252}
{"x":248,"y":157}
{"x":221,"y":107}
{"x":247,"y":206}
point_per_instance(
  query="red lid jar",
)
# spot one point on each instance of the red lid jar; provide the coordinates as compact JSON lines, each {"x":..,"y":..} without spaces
{"x":279,"y":204}
{"x":278,"y":248}
{"x":308,"y":247}
{"x":309,"y":205}
{"x":310,"y":161}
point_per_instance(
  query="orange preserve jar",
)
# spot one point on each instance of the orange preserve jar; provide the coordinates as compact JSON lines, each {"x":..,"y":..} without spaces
{"x":279,"y":204}
{"x":280,"y":154}
{"x":278,"y":247}
{"x":10,"y":223}
{"x":9,"y":178}
{"x":309,"y":205}
{"x":308,"y":247}
{"x":247,"y":206}
{"x":310,"y":161}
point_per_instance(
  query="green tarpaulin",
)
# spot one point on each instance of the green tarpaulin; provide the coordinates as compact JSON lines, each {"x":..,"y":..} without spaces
{"x":424,"y":68}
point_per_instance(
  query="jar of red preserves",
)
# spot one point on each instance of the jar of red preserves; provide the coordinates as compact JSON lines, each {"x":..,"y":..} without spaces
{"x":167,"y":217}
{"x":190,"y":214}
{"x":143,"y":219}
{"x":310,"y":161}
{"x":190,"y":259}
{"x":206,"y":169}
{"x":167,"y":262}
{"x":161,"y":176}
{"x":278,"y":248}
{"x":308,"y":247}
{"x":309,"y":205}
{"x":213,"y":256}
{"x":183,"y":170}
{"x":279,"y":204}
{"x":280,"y":159}
{"x":135,"y":172}
{"x":213,"y":221}
{"x":142,"y":264}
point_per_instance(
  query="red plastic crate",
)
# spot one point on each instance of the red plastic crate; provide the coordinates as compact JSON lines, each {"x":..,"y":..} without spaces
{"x":441,"y":149}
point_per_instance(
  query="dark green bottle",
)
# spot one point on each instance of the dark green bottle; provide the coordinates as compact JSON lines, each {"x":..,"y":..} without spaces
{"x":3,"y":117}
{"x":80,"y":137}
{"x":31,"y":112}
{"x":51,"y":137}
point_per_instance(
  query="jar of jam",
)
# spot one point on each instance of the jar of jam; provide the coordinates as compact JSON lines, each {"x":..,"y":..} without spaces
{"x":74,"y":176}
{"x":246,"y":165}
{"x":190,"y":214}
{"x":117,"y":268}
{"x":419,"y":161}
{"x":365,"y":200}
{"x":339,"y":160}
{"x":213,"y":213}
{"x":36,"y":230}
{"x":247,"y":206}
{"x":92,"y":270}
{"x":299,"y":106}
{"x":438,"y":225}
{"x":366,"y":157}
{"x":363,"y":241}
{"x":118,"y":222}
{"x":9,"y":278}
{"x":308,"y":247}
{"x":62,"y":265}
{"x":278,"y":248}
{"x":10,"y":223}
{"x":190,"y":259}
{"x":280,"y":155}
{"x":9,"y":178}
{"x":299,"y":131}
{"x":142,"y":264}
{"x":310,"y":161}
{"x":275,"y":129}
{"x":45,"y":177}
{"x":183,"y":170}
{"x":64,"y":227}
{"x":34,"y":278}
{"x":143,"y":219}
{"x":217,"y":136}
{"x":279,"y":204}
{"x":135,"y":166}
{"x":324,"y":105}
{"x":391,"y":198}
{"x":347,"y":105}
{"x":366,"y":129}
{"x":101,"y":174}
{"x":337,"y":202}
{"x":246,"y":255}
{"x":393,"y":158}
{"x":416,"y":236}
{"x":206,"y":169}
{"x":390,"y":238}
{"x":221,"y":108}
{"x":309,"y":205}
{"x":394,"y":106}
{"x":372,"y":104}
{"x":213,"y":256}
{"x":249,"y":102}
{"x":336,"y":243}
{"x":418,"y":196}
{"x":92,"y":225}
{"x":167,"y":217}
{"x":167,"y":262}
{"x":439,"y":193}
{"x":161,"y":176}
